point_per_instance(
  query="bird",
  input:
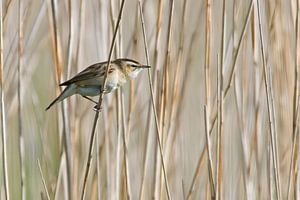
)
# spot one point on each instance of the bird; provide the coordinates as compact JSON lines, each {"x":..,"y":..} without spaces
{"x":89,"y":82}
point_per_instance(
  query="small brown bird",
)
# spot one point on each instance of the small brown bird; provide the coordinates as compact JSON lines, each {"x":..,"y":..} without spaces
{"x":89,"y":81}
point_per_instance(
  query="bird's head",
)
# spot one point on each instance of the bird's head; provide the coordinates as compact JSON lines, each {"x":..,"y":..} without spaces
{"x":131,"y":67}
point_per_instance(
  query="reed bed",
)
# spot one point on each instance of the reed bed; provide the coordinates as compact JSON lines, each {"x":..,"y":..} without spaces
{"x":216,"y":116}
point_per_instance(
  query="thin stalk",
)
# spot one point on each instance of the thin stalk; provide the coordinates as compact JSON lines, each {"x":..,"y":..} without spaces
{"x":270,"y":107}
{"x":176,"y":85}
{"x":70,"y":39}
{"x":214,"y":115}
{"x":3,"y":118}
{"x":119,"y":49}
{"x":150,"y":106}
{"x":164,"y":99}
{"x":81,"y":30}
{"x":176,"y":93}
{"x":153,"y":104}
{"x":236,"y":53}
{"x":108,"y":119}
{"x":197,"y":171}
{"x":207,"y":59}
{"x":159,"y":87}
{"x":207,"y":96}
{"x":58,"y":66}
{"x":273,"y":115}
{"x":209,"y":159}
{"x":98,"y":106}
{"x":219,"y":174}
{"x":99,"y":146}
{"x":165,"y":86}
{"x":28,"y":42}
{"x":186,"y":75}
{"x":126,"y":170}
{"x":20,"y":122}
{"x":59,"y":176}
{"x":295,"y":107}
{"x":77,"y":51}
{"x":43,"y":179}
{"x":233,"y":67}
{"x":293,"y":158}
{"x":219,"y":133}
{"x":118,"y":151}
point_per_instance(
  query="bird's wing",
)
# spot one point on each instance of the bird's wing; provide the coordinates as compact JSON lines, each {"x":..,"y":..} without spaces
{"x":90,"y":72}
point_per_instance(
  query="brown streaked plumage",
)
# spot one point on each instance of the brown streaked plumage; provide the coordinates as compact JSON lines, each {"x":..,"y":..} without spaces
{"x":89,"y":81}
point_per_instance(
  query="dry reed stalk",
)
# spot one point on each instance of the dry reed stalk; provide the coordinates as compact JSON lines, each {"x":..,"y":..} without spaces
{"x":170,"y":134}
{"x":154,"y":86}
{"x":270,"y":108}
{"x":209,"y":159}
{"x":125,"y":149}
{"x":270,"y":174}
{"x":294,"y":157}
{"x":60,"y":177}
{"x":186,"y":75}
{"x":235,"y":56}
{"x":258,"y":84}
{"x":20,"y":121}
{"x":238,"y":97}
{"x":165,"y":79}
{"x":214,"y":114}
{"x":75,"y":126}
{"x":164,"y":99}
{"x":196,"y":174}
{"x":219,"y":171}
{"x":207,"y":97}
{"x":57,"y":52}
{"x":43,"y":179}
{"x":119,"y":164}
{"x":220,"y":97}
{"x":98,"y":106}
{"x":178,"y":71}
{"x":273,"y":115}
{"x":70,"y":39}
{"x":99,"y":146}
{"x":107,"y":127}
{"x":3,"y":118}
{"x":207,"y":61}
{"x":27,"y":43}
{"x":246,"y":150}
{"x":157,"y":91}
{"x":119,"y":161}
{"x":119,"y":54}
{"x":238,"y":104}
{"x":132,"y":97}
{"x":236,"y":53}
{"x":207,"y":57}
{"x":158,"y":134}
{"x":295,"y":106}
{"x":77,"y":51}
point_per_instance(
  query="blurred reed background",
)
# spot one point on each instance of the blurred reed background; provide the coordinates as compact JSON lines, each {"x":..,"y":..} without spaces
{"x":225,"y":78}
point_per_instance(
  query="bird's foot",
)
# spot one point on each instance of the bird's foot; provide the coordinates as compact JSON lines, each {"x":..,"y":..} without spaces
{"x":103,"y":91}
{"x":97,"y":108}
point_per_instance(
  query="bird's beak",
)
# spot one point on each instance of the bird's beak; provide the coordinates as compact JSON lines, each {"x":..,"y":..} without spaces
{"x":144,"y":66}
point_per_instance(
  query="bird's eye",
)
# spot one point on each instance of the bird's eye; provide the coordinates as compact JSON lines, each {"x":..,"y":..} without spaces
{"x":111,"y":70}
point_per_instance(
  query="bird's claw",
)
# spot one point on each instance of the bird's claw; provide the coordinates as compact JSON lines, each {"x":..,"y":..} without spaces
{"x":102,"y":91}
{"x":97,"y":108}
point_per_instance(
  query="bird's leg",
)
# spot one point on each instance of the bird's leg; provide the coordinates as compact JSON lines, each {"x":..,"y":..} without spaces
{"x":96,"y":109}
{"x":89,"y":99}
{"x":96,"y":106}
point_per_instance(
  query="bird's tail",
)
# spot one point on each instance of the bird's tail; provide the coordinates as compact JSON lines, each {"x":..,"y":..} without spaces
{"x":68,"y":91}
